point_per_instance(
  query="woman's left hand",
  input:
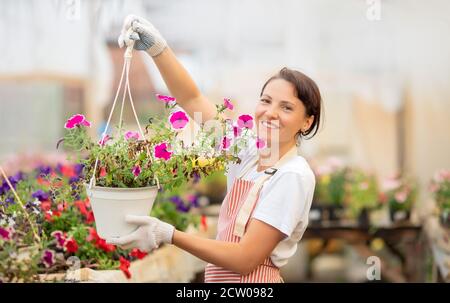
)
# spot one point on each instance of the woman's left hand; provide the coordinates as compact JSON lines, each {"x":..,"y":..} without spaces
{"x":150,"y":234}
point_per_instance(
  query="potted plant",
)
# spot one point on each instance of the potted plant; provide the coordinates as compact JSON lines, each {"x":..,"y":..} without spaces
{"x":55,"y":230}
{"x":123,"y":171}
{"x":440,"y":188}
{"x":330,"y":189}
{"x":399,"y":194}
{"x":361,"y":192}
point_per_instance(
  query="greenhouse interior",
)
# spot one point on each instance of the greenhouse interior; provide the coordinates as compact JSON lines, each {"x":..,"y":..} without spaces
{"x":110,"y":171}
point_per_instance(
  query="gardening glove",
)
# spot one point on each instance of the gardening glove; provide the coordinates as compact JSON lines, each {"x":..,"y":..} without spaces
{"x":150,"y":234}
{"x":145,"y":35}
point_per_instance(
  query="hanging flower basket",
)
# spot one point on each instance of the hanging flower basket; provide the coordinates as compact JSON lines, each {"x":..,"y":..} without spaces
{"x":124,"y":170}
{"x":111,"y":205}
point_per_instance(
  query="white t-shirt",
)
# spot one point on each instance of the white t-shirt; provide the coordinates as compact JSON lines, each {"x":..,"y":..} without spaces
{"x":284,"y":201}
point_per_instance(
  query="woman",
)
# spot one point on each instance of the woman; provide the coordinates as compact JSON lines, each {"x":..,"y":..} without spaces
{"x":265,"y":212}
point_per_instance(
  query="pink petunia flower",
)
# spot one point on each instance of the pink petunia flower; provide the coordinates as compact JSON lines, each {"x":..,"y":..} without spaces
{"x":178,"y":119}
{"x":401,"y":196}
{"x":260,"y":143}
{"x":5,"y":233}
{"x":237,"y":131}
{"x":105,"y":139}
{"x":77,"y":120}
{"x":131,"y":135}
{"x":245,"y":121}
{"x":227,"y":103}
{"x":48,"y":258}
{"x":226,"y":142}
{"x":136,"y":170}
{"x":60,"y":238}
{"x":161,"y":151}
{"x":165,"y":99}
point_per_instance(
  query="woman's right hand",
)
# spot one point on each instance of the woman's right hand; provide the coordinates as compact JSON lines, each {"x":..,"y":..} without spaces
{"x":145,"y":35}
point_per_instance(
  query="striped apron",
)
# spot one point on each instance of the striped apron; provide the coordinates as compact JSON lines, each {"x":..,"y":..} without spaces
{"x":234,"y":216}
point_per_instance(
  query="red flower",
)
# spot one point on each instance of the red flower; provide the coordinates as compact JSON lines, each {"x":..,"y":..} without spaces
{"x":68,"y":171}
{"x":62,"y":206}
{"x":93,"y":236}
{"x":124,"y":267}
{"x":46,"y":205}
{"x":42,"y":181}
{"x":83,"y":208}
{"x":136,"y":253}
{"x":99,"y":242}
{"x":71,"y":245}
{"x":102,"y":172}
{"x":48,"y":217}
{"x":204,"y":223}
{"x":90,"y":217}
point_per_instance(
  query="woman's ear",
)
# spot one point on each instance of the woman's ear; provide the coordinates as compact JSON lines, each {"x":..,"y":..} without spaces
{"x":309,"y":121}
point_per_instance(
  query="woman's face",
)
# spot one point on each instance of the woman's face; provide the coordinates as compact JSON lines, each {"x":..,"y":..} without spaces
{"x":280,"y":111}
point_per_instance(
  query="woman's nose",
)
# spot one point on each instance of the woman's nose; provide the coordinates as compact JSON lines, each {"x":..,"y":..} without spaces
{"x":271,"y":112}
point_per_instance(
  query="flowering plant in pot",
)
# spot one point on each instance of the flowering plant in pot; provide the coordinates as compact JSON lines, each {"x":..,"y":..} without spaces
{"x":440,"y":188}
{"x":123,"y":171}
{"x":330,"y":188}
{"x":361,"y":195}
{"x":399,"y":193}
{"x":55,"y":230}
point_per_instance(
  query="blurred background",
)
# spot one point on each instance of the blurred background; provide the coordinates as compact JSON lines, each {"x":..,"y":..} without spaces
{"x":383,"y":68}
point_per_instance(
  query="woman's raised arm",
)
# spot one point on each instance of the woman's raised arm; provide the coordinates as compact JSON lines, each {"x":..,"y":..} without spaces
{"x":178,"y":81}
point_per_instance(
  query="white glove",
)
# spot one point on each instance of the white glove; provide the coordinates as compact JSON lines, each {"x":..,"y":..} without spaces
{"x":150,"y":234}
{"x":145,"y":35}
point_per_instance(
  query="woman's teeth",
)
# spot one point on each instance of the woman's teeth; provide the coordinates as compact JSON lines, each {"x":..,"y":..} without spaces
{"x":269,"y":125}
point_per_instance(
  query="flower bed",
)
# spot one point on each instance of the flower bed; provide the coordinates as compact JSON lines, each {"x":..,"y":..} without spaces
{"x":47,"y":224}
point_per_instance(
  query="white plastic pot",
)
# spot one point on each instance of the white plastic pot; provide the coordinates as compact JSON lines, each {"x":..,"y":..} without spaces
{"x":111,"y":205}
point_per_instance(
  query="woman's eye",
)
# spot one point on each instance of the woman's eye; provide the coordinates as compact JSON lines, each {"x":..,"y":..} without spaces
{"x":287,"y":108}
{"x":265,"y":101}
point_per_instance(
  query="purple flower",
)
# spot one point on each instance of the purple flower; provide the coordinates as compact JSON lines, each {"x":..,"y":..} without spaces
{"x":48,"y":258}
{"x":17,"y":177}
{"x":227,"y":103}
{"x":5,"y":233}
{"x":245,"y":121}
{"x":60,"y":239}
{"x":136,"y":170}
{"x":73,"y":180}
{"x":196,"y":177}
{"x":10,"y":201}
{"x":40,"y":195}
{"x":178,"y":119}
{"x":58,"y":168}
{"x":44,"y":170}
{"x":193,"y":199}
{"x":180,"y":204}
{"x":78,"y":168}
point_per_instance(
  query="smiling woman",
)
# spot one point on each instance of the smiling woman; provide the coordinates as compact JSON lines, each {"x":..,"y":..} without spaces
{"x":265,"y":211}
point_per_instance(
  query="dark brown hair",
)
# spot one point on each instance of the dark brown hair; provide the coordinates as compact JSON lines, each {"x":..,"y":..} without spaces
{"x":308,"y":93}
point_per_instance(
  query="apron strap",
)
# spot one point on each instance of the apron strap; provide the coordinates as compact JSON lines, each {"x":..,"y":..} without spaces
{"x":247,"y":206}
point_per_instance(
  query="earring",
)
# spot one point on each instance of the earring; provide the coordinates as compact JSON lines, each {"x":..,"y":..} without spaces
{"x":298,"y":139}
